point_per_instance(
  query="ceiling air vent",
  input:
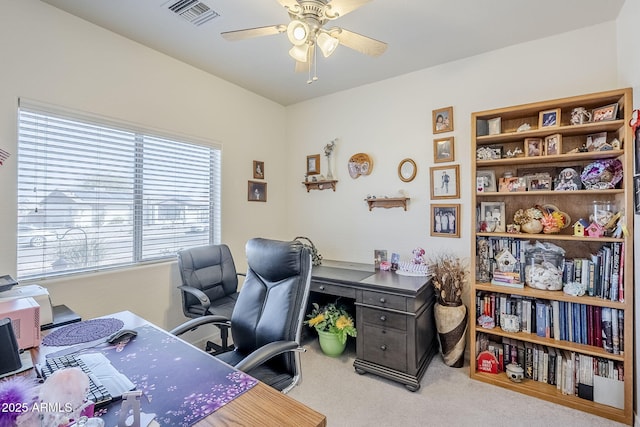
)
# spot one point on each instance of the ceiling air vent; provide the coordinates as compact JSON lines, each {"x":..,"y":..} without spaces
{"x":194,"y":11}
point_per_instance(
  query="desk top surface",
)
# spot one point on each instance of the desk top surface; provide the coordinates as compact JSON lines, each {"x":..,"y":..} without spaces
{"x":261,"y":405}
{"x":364,"y":276}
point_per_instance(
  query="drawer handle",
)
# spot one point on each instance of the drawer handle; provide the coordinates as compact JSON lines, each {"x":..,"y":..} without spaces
{"x":321,"y":288}
{"x":383,"y":347}
{"x":382,"y":300}
{"x":383,"y":318}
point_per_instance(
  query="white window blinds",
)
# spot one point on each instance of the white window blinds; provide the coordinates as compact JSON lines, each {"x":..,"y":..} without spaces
{"x":93,"y":194}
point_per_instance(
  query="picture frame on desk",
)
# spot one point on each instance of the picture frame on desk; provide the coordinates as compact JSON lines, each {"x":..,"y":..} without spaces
{"x":445,"y":220}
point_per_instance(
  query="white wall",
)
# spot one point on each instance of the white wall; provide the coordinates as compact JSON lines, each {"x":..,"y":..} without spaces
{"x":391,"y":120}
{"x":51,"y":56}
{"x":629,"y":75}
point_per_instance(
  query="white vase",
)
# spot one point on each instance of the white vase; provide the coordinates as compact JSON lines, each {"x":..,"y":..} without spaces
{"x":329,"y":169}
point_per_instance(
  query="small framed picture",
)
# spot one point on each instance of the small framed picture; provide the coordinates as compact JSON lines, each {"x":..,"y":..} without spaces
{"x":485,"y":181}
{"x":539,"y":182}
{"x":493,"y":214}
{"x":568,"y":179}
{"x":258,"y":170}
{"x":533,"y":147}
{"x":379,"y":256}
{"x":313,"y":164}
{"x":443,"y":150}
{"x":442,"y":120}
{"x":445,"y":220}
{"x":549,"y":118}
{"x":257,"y":191}
{"x":597,"y":141}
{"x":445,"y":182}
{"x":608,"y":112}
{"x":495,"y":126}
{"x":512,"y":184}
{"x":553,"y":145}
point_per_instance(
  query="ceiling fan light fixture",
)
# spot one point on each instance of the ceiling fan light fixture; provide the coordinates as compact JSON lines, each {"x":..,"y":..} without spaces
{"x":300,"y":53}
{"x":327,"y":44}
{"x":298,"y":32}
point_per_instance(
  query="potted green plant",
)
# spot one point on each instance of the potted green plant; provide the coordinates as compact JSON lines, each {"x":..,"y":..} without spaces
{"x":333,"y":324}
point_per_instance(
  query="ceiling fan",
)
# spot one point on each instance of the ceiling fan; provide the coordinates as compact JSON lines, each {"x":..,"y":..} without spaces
{"x":306,"y":31}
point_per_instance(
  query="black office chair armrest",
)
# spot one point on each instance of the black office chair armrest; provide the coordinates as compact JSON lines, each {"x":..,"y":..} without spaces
{"x":266,"y":352}
{"x":202,"y":297}
{"x":199,"y":321}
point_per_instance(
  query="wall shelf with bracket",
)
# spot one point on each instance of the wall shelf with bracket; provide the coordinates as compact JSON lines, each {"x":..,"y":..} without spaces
{"x":388,"y":202}
{"x":321,"y":185}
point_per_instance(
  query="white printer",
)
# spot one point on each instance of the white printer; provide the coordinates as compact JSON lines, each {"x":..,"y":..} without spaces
{"x":38,"y":293}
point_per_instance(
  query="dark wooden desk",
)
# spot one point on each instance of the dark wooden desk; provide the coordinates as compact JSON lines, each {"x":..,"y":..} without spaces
{"x":259,"y":406}
{"x":394,"y":317}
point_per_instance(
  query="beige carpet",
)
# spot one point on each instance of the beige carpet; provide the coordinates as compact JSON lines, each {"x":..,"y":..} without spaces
{"x":447,"y":397}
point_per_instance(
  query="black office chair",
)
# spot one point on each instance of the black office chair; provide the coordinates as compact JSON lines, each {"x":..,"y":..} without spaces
{"x":266,"y":322}
{"x":209,"y":286}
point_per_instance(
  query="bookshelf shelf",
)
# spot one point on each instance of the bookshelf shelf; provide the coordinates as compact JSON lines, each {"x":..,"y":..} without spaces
{"x":578,"y":205}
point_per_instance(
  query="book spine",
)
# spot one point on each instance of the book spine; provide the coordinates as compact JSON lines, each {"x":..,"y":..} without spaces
{"x":615,"y":337}
{"x":607,"y":330}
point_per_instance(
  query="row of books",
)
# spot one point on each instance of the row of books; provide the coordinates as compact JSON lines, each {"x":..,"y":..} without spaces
{"x":601,"y":327}
{"x":601,"y":274}
{"x":588,"y":377}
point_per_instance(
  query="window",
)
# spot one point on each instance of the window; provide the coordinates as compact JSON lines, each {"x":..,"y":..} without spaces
{"x":94,"y":195}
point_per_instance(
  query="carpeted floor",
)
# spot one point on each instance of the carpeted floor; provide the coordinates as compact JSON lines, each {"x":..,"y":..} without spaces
{"x":447,"y":397}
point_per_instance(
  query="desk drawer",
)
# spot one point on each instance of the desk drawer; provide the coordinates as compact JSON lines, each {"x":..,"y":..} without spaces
{"x":384,"y":318}
{"x":385,"y":347}
{"x":330,"y":289}
{"x":380,"y":299}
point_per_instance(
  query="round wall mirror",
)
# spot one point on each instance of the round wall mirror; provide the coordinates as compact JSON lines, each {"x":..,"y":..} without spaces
{"x":407,"y":170}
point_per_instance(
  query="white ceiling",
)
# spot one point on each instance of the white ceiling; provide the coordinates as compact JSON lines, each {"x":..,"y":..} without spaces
{"x":419,"y":34}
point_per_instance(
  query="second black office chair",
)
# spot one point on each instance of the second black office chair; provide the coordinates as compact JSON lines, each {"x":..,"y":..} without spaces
{"x":209,"y":286}
{"x":266,"y":322}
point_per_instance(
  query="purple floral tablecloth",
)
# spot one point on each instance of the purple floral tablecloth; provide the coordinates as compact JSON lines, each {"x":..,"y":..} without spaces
{"x":179,"y":384}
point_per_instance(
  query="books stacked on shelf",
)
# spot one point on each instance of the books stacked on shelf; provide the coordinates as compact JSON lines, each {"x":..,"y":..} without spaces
{"x":592,"y":378}
{"x":507,"y":278}
{"x":602,"y":274}
{"x":596,"y":326}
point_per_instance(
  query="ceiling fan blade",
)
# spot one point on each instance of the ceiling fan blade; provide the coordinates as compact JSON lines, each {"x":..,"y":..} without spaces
{"x":254,"y":32}
{"x":338,"y":8}
{"x":358,"y":42}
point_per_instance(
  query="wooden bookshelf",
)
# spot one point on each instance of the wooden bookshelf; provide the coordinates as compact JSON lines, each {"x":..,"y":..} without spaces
{"x":575,"y":203}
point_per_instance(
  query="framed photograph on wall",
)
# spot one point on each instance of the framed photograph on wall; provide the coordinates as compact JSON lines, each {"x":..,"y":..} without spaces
{"x":533,"y":147}
{"x":493,"y":214}
{"x":258,"y":170}
{"x":549,"y":118}
{"x":442,"y":120}
{"x":608,"y":112}
{"x":553,"y":145}
{"x":313,"y":164}
{"x":443,"y":150}
{"x":257,"y":191}
{"x":485,"y":181}
{"x":445,"y":182}
{"x":445,"y":220}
